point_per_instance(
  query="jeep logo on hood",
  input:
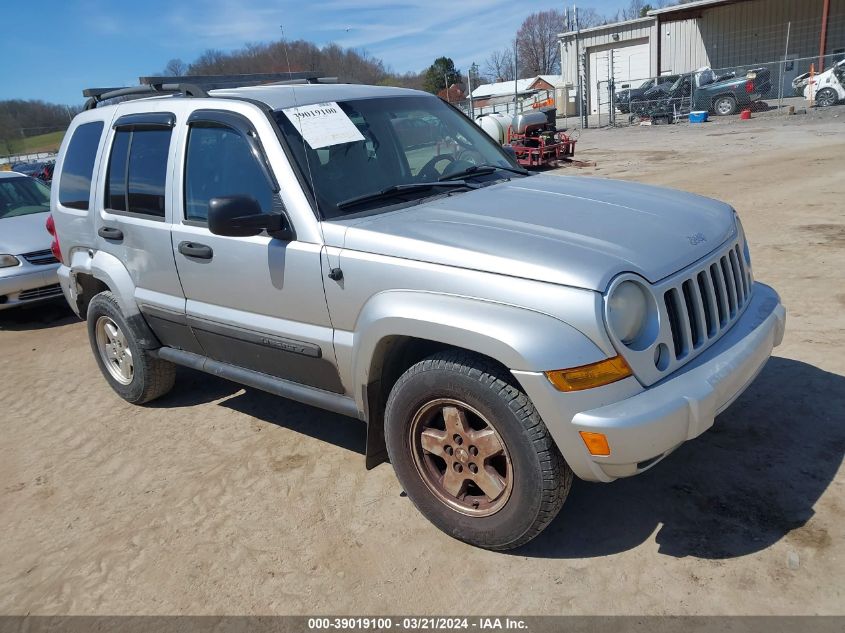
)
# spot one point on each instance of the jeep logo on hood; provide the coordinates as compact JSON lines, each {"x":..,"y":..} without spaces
{"x":696,"y":239}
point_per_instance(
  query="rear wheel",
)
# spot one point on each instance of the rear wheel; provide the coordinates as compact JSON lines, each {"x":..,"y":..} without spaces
{"x":724,"y":106}
{"x":132,"y":371}
{"x":826,"y":97}
{"x":472,"y":453}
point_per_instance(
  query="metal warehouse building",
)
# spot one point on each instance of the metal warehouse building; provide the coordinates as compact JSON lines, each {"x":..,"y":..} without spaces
{"x":726,"y":35}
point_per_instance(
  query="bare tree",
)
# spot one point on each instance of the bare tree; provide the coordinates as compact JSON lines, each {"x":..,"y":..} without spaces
{"x":175,"y":68}
{"x":499,"y":65}
{"x":589,"y":17}
{"x":537,"y":42}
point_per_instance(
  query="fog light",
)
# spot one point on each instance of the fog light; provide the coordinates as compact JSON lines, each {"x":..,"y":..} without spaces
{"x":596,"y":443}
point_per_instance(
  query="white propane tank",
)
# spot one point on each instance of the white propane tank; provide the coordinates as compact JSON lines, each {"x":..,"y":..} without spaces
{"x":496,"y":126}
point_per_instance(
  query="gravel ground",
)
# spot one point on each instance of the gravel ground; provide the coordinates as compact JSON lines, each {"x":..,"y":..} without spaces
{"x":221,"y":500}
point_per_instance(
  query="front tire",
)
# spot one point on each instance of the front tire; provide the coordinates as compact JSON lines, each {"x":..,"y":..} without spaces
{"x":472,"y":453}
{"x":826,"y":97}
{"x":132,"y":371}
{"x":725,"y":106}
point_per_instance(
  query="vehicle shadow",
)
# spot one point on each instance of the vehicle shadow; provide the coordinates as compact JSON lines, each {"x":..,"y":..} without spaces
{"x":340,"y":430}
{"x":40,"y":316}
{"x":196,"y":387}
{"x":737,"y":489}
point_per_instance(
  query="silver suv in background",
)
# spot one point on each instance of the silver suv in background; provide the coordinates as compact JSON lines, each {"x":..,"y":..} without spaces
{"x":370,"y":251}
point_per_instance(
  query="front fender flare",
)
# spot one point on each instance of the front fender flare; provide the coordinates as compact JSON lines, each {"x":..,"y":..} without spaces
{"x":519,"y":338}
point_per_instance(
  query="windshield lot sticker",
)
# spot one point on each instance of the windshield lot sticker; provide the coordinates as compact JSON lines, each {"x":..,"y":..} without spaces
{"x":323,"y":124}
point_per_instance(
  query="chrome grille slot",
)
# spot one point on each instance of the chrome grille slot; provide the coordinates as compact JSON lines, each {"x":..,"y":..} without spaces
{"x":721,"y":293}
{"x":711,"y":315}
{"x":675,"y":323}
{"x":40,"y":258}
{"x":704,"y":303}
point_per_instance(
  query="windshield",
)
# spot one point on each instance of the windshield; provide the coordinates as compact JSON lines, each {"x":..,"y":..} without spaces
{"x":404,"y":141}
{"x":22,"y":196}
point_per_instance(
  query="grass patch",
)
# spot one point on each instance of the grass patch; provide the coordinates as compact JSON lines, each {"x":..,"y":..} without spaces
{"x":32,"y":144}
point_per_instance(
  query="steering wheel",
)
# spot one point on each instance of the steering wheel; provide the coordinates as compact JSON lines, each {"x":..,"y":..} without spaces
{"x":429,"y":170}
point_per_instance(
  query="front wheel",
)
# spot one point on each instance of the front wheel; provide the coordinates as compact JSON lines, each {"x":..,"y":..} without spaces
{"x":826,"y":97}
{"x":724,"y":106}
{"x":472,"y":453}
{"x":132,"y":371}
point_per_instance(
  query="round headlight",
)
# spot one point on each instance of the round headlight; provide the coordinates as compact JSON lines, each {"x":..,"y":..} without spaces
{"x":627,"y":311}
{"x":8,"y":260}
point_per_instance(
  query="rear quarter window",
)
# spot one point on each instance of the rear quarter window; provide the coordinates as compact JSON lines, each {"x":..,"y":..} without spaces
{"x":78,"y":166}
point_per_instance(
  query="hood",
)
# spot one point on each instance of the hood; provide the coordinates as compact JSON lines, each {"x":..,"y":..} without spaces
{"x":569,"y":230}
{"x":24,"y":234}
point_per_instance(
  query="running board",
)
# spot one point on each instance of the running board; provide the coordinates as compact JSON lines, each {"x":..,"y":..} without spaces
{"x":277,"y":386}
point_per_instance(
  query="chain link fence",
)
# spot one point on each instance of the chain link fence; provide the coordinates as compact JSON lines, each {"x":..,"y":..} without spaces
{"x":619,"y":95}
{"x":793,"y":83}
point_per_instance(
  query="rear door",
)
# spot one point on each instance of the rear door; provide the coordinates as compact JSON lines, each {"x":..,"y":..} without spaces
{"x":255,"y":302}
{"x":134,"y":219}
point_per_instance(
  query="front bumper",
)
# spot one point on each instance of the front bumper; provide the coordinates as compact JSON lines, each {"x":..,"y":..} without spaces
{"x":644,"y":425}
{"x":21,"y":285}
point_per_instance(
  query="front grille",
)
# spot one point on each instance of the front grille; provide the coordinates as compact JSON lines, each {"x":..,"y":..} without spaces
{"x":706,"y":302}
{"x":40,"y":258}
{"x":52,"y":290}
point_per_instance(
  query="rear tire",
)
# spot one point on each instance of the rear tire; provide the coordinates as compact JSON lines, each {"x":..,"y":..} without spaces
{"x":472,"y":453}
{"x":725,"y":106}
{"x":826,"y":97}
{"x":132,"y":371}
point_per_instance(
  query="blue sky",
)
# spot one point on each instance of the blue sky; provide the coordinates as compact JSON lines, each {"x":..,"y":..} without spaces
{"x":51,"y":49}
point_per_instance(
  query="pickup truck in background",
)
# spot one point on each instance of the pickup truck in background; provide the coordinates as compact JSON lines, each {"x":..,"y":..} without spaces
{"x":704,"y":90}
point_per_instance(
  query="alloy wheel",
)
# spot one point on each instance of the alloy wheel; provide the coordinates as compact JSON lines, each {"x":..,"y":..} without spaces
{"x":461,"y":457}
{"x":114,"y":350}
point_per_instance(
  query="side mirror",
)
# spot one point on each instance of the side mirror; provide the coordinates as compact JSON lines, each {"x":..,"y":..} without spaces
{"x":241,"y":216}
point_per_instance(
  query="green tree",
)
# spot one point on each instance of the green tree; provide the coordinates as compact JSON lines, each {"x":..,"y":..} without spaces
{"x":439,"y":74}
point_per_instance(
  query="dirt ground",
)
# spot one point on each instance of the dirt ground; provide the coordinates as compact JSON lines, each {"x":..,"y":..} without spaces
{"x":220,"y":500}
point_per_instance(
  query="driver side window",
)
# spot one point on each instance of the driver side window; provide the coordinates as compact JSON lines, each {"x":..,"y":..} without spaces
{"x":218,"y":162}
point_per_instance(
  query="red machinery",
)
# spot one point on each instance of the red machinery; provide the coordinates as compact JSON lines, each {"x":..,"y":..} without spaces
{"x":536,"y":141}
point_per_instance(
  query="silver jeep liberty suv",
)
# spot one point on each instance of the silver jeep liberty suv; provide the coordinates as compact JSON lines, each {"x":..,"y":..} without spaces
{"x":370,"y":251}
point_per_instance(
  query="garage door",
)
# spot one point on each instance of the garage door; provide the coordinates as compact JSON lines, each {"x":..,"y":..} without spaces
{"x":630,"y":62}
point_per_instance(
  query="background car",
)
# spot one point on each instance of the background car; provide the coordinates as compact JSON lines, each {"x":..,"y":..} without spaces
{"x":827,"y":88}
{"x":27,"y":265}
{"x":42,"y":170}
{"x":628,"y":98}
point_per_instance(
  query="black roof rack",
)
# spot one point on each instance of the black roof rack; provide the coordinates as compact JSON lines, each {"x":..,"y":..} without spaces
{"x":199,"y":85}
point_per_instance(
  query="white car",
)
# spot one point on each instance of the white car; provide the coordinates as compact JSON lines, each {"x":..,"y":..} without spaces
{"x":27,"y":264}
{"x":825,"y":89}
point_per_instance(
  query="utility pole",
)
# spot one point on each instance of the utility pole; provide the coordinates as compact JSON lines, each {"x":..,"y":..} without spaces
{"x":823,"y":37}
{"x":515,"y":76}
{"x":582,"y":83}
{"x":446,"y":81}
{"x":473,"y":68}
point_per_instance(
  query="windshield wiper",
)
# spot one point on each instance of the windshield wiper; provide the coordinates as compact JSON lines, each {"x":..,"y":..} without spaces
{"x":393,"y":190}
{"x":484,"y":169}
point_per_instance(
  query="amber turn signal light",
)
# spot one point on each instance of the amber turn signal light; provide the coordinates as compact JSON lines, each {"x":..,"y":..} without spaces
{"x":596,"y":443}
{"x":597,"y":374}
